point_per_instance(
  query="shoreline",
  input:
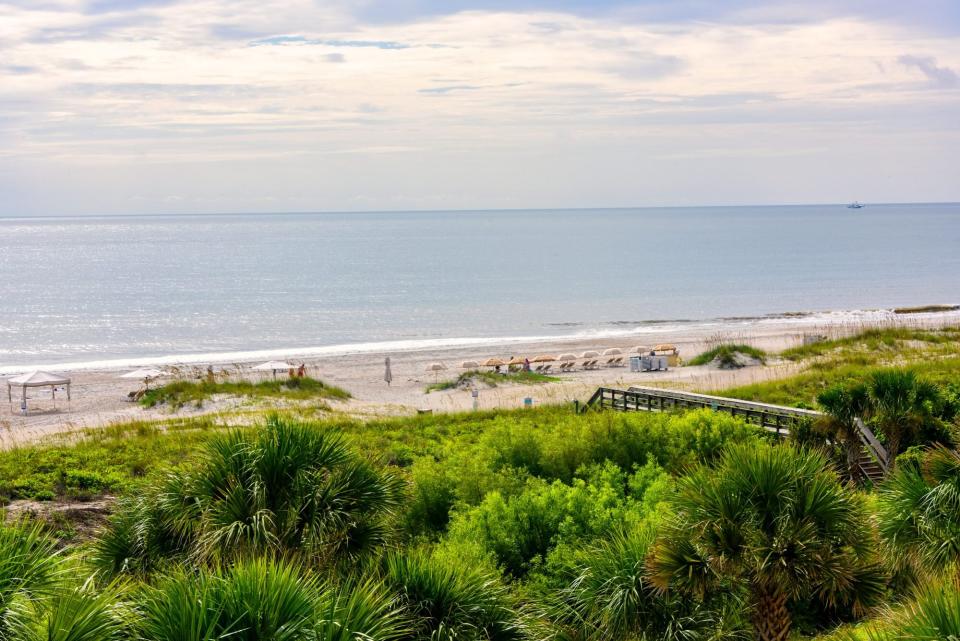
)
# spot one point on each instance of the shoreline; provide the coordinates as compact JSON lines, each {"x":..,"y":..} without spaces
{"x":99,"y":394}
{"x":812,"y":322}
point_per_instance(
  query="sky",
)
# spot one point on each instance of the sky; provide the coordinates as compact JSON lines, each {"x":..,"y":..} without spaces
{"x":208,"y":106}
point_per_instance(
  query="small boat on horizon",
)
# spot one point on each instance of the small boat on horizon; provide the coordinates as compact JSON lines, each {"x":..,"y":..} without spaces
{"x":855,"y":205}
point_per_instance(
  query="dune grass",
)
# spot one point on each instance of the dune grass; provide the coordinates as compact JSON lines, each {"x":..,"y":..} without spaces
{"x":180,"y":393}
{"x":100,"y":461}
{"x":726,"y":355}
{"x":492,"y":379}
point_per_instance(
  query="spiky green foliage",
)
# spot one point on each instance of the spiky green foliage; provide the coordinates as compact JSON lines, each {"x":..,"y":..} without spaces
{"x":844,"y":405}
{"x":776,"y":522}
{"x":287,"y":488}
{"x":85,"y":613}
{"x":255,"y":600}
{"x":361,"y":609}
{"x":934,"y":615}
{"x":611,"y":597}
{"x":450,"y":603}
{"x":920,"y":510}
{"x":903,"y":404}
{"x":31,"y":572}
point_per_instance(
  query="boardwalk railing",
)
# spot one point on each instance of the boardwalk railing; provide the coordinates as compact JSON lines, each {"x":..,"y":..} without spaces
{"x":775,"y":418}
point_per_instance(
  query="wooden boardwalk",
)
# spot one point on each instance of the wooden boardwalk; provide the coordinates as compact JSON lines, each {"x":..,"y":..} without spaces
{"x":774,"y":418}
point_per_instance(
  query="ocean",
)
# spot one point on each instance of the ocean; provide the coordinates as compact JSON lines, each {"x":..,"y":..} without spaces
{"x":77,"y":291}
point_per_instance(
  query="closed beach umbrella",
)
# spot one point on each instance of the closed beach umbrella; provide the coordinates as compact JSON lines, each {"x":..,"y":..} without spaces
{"x":590,"y":354}
{"x":469,"y":364}
{"x":387,"y":374}
{"x":543,"y":358}
{"x":613,"y":351}
{"x":567,"y":358}
{"x":274,"y":366}
{"x":493,"y":362}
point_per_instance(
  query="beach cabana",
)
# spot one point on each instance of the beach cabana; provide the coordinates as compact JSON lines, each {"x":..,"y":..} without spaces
{"x":36,"y":379}
{"x":670,"y":351}
{"x":274,"y":366}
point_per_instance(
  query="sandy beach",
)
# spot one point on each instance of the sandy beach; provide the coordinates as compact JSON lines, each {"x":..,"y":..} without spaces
{"x":98,"y":396}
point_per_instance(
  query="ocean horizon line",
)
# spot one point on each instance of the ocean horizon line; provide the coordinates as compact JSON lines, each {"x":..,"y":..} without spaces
{"x":336,"y":212}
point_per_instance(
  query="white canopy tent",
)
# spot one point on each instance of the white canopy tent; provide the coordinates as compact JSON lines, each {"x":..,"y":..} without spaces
{"x":274,"y":366}
{"x":36,"y":379}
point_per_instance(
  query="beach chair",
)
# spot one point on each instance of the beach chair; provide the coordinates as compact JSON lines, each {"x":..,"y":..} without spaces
{"x":546,"y":368}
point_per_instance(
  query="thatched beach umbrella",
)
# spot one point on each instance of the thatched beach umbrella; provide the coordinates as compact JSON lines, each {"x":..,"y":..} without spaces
{"x":493,"y":362}
{"x":641,"y":349}
{"x":470,"y":365}
{"x":517,"y":360}
{"x":543,"y":358}
{"x":436,"y":368}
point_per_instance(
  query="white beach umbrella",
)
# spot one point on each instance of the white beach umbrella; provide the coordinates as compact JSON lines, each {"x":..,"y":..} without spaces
{"x":590,"y":354}
{"x":566,"y":358}
{"x":146,"y":375}
{"x":613,"y":351}
{"x":274,"y":366}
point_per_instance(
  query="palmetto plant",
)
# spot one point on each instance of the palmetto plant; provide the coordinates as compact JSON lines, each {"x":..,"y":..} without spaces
{"x":31,"y":572}
{"x":920,"y":510}
{"x":612,"y":598}
{"x":285,"y":489}
{"x":776,"y":523}
{"x":844,"y":404}
{"x":934,"y":615}
{"x":902,"y":405}
{"x":84,"y":613}
{"x":448,"y":603}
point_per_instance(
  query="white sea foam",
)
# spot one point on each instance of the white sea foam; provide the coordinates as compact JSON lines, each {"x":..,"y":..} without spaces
{"x":842,"y":318}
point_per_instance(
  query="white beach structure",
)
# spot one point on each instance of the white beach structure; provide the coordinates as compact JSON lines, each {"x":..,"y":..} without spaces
{"x":274,"y":366}
{"x":36,"y":379}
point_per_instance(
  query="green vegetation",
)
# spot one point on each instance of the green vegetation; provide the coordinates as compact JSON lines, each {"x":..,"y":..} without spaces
{"x":491,"y":379}
{"x":180,"y":393}
{"x":729,"y":356}
{"x":525,"y":525}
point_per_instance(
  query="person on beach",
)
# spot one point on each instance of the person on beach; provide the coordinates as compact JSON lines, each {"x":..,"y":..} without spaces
{"x":526,"y":364}
{"x":302,"y":370}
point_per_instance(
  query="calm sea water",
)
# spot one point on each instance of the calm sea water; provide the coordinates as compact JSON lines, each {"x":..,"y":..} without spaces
{"x":90,"y":289}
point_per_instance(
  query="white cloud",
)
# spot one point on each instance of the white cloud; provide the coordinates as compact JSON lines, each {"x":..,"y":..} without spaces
{"x":177,"y":91}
